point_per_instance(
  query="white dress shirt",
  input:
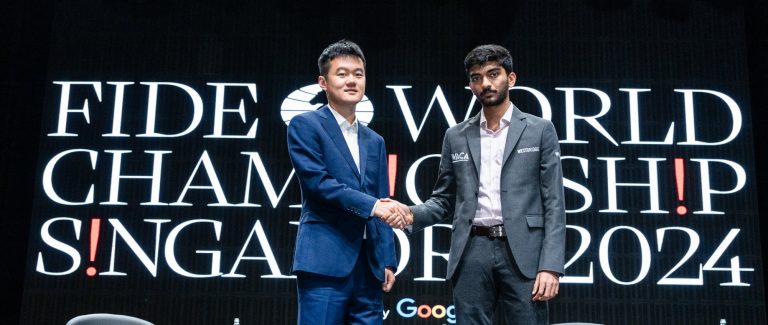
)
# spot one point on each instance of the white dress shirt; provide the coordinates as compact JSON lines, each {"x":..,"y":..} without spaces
{"x":349,"y":131}
{"x":492,"y":145}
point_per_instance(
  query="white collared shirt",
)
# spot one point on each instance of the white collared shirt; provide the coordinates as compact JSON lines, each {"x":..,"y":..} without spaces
{"x":492,"y":145}
{"x":349,"y":131}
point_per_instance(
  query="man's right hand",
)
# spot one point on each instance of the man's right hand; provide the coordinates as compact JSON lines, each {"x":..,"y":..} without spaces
{"x":395,"y":214}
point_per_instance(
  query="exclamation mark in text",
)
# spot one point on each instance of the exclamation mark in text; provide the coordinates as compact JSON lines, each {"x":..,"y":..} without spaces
{"x":392,"y":169}
{"x":95,"y":224}
{"x":680,"y":180}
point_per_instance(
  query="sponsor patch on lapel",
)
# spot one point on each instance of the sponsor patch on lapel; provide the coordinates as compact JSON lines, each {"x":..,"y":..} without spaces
{"x":459,"y":156}
{"x":529,"y":149}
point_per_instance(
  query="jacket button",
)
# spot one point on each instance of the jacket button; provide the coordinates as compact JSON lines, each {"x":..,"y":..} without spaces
{"x":469,"y":221}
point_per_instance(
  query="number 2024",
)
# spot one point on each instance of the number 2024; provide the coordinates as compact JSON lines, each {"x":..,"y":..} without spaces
{"x":735,"y":268}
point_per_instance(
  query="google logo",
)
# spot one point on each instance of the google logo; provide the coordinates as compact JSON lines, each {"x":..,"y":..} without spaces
{"x":407,"y":308}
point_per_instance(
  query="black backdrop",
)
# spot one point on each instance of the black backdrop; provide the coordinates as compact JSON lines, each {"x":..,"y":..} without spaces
{"x":602,"y":45}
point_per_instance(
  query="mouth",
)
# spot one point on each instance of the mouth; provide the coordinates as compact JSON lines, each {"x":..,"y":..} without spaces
{"x":351,"y":91}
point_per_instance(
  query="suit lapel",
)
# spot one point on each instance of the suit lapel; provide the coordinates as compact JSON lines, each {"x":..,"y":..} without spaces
{"x":516,"y":127}
{"x":334,"y":131}
{"x":362,"y":143}
{"x":472,"y":133}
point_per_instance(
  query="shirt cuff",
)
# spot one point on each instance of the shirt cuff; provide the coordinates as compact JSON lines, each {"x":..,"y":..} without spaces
{"x":374,"y":208}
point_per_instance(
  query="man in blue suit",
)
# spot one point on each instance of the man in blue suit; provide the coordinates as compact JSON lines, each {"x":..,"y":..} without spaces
{"x":345,"y":255}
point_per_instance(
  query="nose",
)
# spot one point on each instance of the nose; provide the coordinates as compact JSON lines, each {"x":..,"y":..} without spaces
{"x":486,"y":83}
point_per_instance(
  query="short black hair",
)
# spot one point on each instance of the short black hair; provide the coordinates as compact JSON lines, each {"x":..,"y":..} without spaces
{"x":341,"y":48}
{"x":486,"y":53}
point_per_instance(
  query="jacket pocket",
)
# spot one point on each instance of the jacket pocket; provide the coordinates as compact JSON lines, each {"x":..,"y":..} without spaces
{"x":535,"y":221}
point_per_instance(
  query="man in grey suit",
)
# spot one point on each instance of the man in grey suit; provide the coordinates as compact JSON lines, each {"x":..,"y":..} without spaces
{"x":501,"y":180}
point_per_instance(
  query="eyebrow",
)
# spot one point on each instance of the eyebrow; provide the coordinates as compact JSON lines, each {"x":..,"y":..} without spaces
{"x":348,"y":69}
{"x":491,"y":70}
{"x":477,"y":74}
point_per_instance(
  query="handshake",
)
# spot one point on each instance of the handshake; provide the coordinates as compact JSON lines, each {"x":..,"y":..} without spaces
{"x":395,"y":214}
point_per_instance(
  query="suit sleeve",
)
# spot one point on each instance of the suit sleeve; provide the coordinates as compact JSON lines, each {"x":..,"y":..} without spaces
{"x":307,"y":157}
{"x":552,"y":256}
{"x":441,"y":202}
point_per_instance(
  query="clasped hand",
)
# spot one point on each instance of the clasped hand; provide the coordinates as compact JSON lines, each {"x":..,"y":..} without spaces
{"x":395,"y":214}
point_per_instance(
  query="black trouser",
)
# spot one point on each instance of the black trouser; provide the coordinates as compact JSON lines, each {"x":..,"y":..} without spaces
{"x":487,"y":278}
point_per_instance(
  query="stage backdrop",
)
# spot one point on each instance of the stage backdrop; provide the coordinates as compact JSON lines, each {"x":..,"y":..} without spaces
{"x":165,"y":191}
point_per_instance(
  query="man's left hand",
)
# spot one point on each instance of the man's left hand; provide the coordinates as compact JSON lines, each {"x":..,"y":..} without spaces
{"x":389,"y":280}
{"x":546,"y":286}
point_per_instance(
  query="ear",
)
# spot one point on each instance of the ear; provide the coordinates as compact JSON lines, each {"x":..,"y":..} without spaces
{"x":322,"y":82}
{"x":511,"y":78}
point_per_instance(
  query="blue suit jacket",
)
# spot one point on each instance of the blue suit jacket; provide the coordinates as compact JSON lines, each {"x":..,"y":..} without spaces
{"x":337,"y":200}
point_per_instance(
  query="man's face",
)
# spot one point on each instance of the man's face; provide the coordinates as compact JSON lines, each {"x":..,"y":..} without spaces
{"x":490,"y":83}
{"x":345,"y":81}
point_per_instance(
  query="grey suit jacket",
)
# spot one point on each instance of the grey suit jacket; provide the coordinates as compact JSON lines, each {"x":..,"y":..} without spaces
{"x":531,"y":192}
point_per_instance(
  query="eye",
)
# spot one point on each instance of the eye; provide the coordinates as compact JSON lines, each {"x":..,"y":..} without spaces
{"x":494,"y":74}
{"x":474,"y":78}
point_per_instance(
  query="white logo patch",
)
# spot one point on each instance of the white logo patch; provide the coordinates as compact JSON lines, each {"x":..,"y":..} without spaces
{"x":459,"y":156}
{"x":530,"y":149}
